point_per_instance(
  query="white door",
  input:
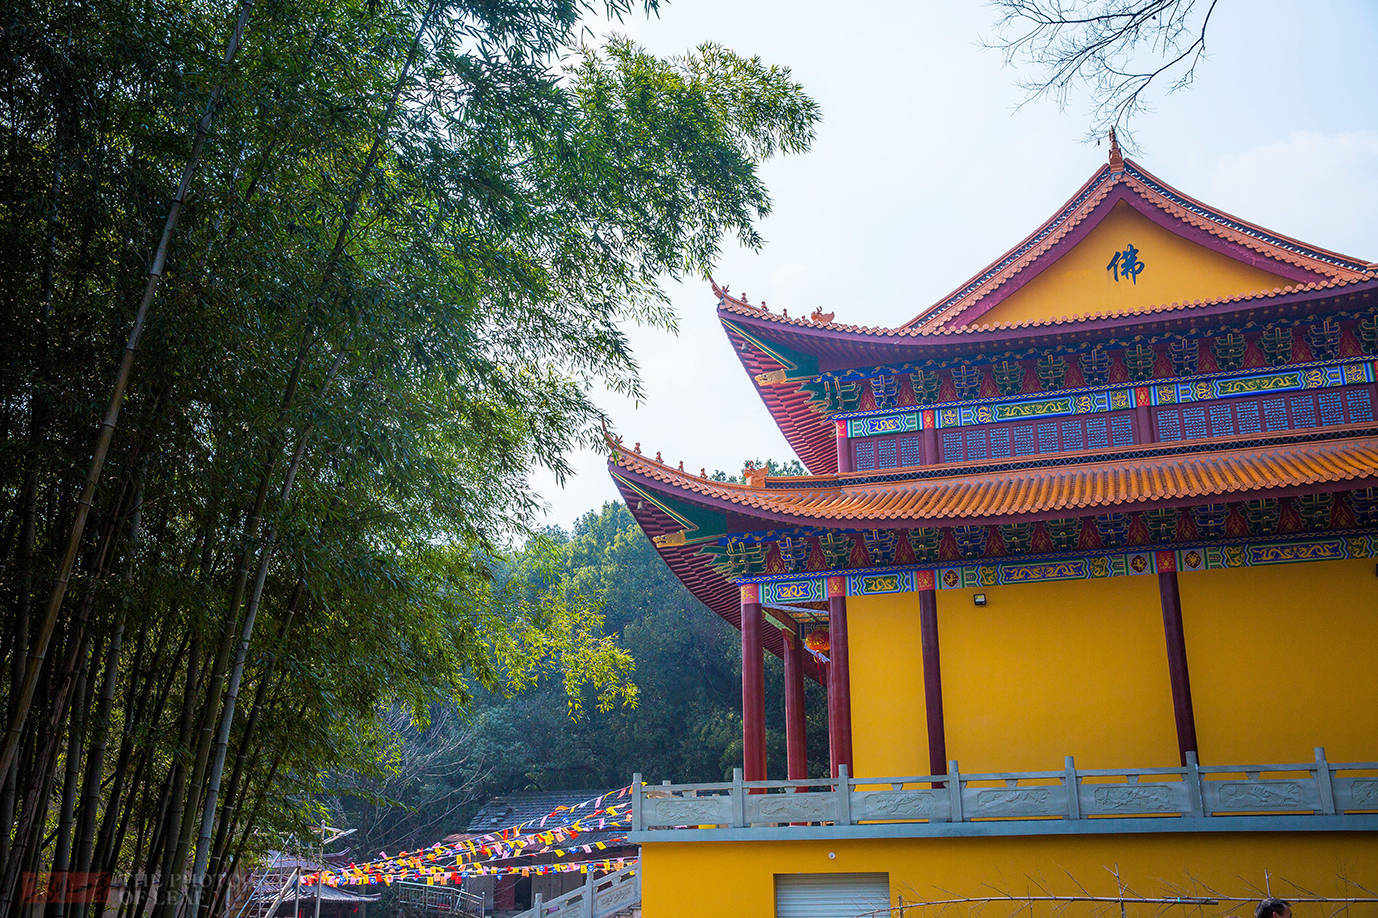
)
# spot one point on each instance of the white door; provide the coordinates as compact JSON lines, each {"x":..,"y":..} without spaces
{"x":832,"y":895}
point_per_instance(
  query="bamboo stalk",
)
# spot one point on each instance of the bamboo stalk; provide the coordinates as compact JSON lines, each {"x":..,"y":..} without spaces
{"x":39,"y":649}
{"x":86,"y":828}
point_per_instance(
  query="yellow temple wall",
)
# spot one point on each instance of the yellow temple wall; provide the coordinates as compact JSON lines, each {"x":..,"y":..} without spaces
{"x":1176,"y":270}
{"x":693,"y":879}
{"x":1047,"y":670}
{"x":1043,"y":671}
{"x":889,"y":729}
{"x":1281,"y":659}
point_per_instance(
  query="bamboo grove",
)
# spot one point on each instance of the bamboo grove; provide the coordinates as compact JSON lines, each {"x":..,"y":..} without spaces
{"x":296,"y":293}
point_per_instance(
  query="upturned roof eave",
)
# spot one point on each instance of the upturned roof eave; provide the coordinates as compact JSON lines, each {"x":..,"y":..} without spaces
{"x":707,"y":585}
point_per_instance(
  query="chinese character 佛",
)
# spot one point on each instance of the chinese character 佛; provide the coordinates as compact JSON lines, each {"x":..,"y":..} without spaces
{"x":1126,"y":264}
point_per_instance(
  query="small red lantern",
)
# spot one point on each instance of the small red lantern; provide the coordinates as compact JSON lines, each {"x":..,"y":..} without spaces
{"x":817,"y":641}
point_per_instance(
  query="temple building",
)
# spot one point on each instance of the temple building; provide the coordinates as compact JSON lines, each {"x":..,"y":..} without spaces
{"x":1085,"y":560}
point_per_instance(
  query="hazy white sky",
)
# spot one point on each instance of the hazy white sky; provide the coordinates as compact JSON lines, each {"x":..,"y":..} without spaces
{"x":923,"y":172}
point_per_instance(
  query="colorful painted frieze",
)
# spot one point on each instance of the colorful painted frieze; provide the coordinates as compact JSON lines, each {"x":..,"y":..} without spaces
{"x":1323,"y":377}
{"x":1111,"y":398}
{"x":808,"y":589}
{"x":879,"y":583}
{"x":983,"y":575}
{"x":878,"y":425}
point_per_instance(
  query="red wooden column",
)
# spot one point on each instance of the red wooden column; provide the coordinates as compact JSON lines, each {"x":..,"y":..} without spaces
{"x":844,"y":449}
{"x":796,"y":751}
{"x":1177,"y":663}
{"x":932,"y":675}
{"x":928,"y":442}
{"x":1143,"y":419}
{"x":839,"y":677}
{"x":753,"y":686}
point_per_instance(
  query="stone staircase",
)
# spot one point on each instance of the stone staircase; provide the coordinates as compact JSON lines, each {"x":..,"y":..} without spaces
{"x":614,"y":895}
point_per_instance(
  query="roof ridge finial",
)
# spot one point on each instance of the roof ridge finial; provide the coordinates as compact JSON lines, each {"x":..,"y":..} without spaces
{"x":1116,"y":158}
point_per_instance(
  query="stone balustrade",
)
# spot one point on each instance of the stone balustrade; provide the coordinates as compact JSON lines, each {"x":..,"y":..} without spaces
{"x":1308,"y":796}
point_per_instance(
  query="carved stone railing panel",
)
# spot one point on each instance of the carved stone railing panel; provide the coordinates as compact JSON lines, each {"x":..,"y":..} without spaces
{"x":1011,"y":802}
{"x":616,"y":899}
{"x":1137,"y":799}
{"x":1358,"y":793}
{"x":686,"y":811}
{"x":931,"y":805}
{"x":774,"y":809}
{"x":1259,"y":796}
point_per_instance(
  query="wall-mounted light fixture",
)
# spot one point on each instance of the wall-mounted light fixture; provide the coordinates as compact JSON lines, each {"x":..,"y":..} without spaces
{"x":978,"y":599}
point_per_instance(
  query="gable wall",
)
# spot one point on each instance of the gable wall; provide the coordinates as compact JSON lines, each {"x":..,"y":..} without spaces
{"x":1175,"y":270}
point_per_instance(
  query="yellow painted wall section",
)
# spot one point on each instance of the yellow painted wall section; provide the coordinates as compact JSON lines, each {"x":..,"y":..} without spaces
{"x":1047,"y":670}
{"x":1283,"y":659}
{"x":889,"y":730}
{"x":1175,"y":270}
{"x":693,"y":879}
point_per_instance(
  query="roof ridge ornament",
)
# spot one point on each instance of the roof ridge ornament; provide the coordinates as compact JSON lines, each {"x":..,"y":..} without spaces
{"x":1116,"y":158}
{"x":613,"y":441}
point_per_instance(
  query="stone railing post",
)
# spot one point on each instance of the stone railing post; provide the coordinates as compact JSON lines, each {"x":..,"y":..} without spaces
{"x":954,"y":792}
{"x":1073,"y":789}
{"x":1195,"y":792}
{"x":538,"y":905}
{"x":637,"y":825}
{"x":738,"y":799}
{"x":590,"y":889}
{"x":1324,"y":782}
{"x":844,"y":795}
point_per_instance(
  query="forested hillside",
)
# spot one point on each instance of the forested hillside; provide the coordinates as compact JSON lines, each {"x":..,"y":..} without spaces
{"x":685,"y":725}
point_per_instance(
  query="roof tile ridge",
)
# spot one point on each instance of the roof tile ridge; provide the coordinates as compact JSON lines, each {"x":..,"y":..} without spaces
{"x":1033,"y":255}
{"x":1220,"y":231}
{"x":817,"y":319}
{"x":934,"y":315}
{"x":1139,"y":173}
{"x":753,"y":312}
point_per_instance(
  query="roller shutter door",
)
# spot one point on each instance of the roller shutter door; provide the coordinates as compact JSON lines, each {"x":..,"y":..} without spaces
{"x":831,"y":895}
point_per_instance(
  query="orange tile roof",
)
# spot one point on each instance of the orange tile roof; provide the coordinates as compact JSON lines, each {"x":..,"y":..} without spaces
{"x":1127,"y":478}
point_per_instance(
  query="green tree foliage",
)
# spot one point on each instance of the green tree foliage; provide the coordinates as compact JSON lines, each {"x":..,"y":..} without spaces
{"x":412,"y":233}
{"x":686,"y":725}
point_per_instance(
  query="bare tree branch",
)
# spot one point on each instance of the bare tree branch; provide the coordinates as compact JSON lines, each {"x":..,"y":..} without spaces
{"x":1113,"y":50}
